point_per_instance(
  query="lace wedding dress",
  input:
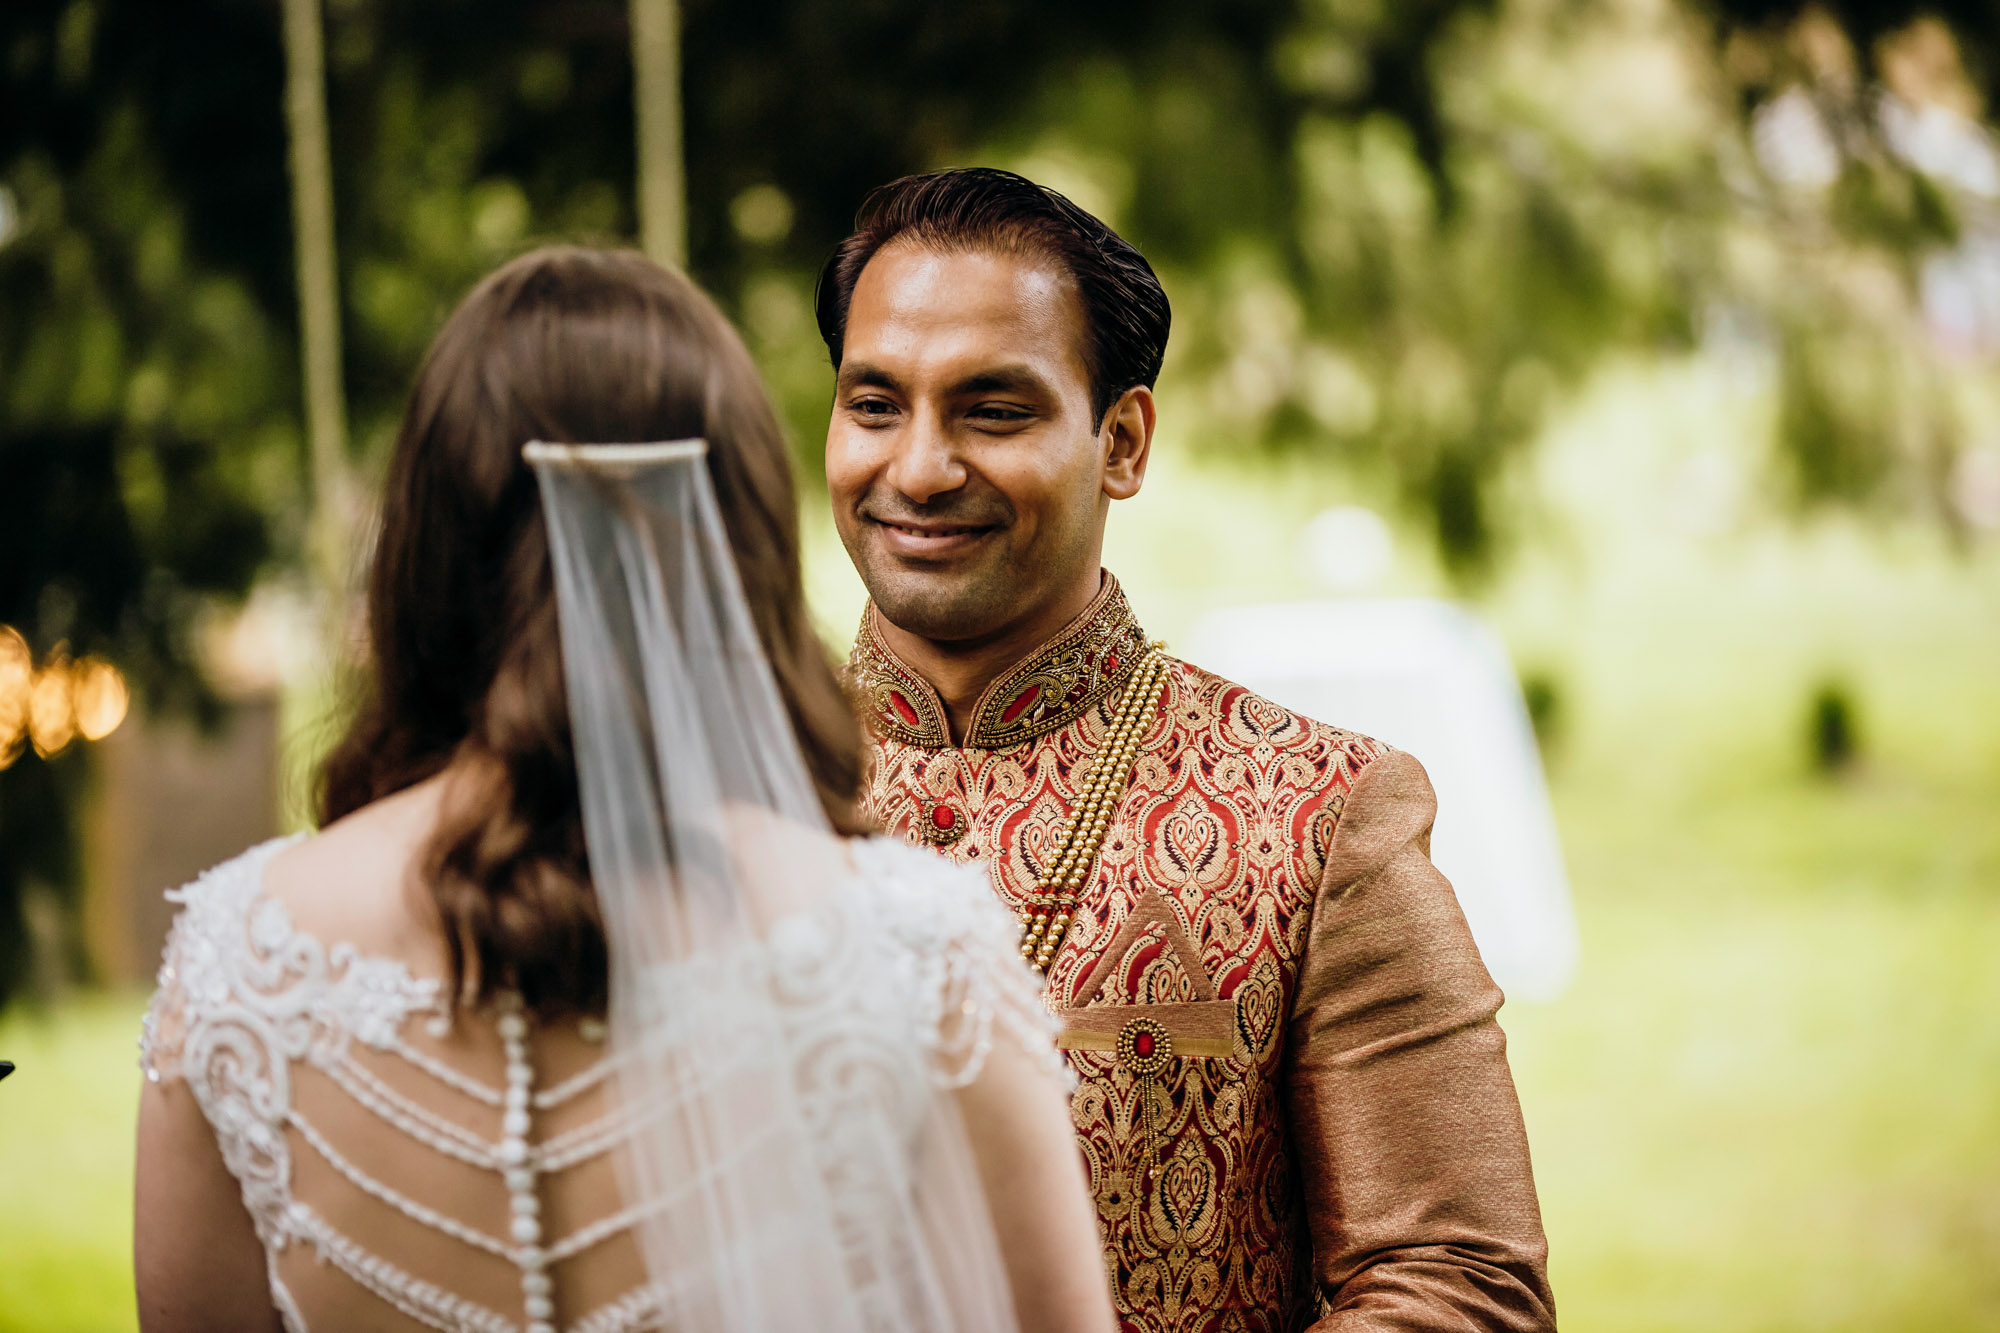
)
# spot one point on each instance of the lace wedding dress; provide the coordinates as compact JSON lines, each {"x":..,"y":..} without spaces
{"x":402,"y":1171}
{"x":762,"y":1143}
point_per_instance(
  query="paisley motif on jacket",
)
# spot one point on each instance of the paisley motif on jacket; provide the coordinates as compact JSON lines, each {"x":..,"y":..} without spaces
{"x":1227,"y":822}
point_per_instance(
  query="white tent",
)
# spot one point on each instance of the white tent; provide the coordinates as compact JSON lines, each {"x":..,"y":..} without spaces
{"x":1427,"y":678}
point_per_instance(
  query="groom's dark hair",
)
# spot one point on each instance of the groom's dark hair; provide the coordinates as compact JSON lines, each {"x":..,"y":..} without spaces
{"x":1125,"y":310}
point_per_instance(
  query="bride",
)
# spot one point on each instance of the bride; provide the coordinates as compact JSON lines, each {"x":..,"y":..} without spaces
{"x":592,"y":1006}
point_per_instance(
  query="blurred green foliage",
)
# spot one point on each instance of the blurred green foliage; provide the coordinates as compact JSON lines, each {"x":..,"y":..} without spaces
{"x":1395,"y":235}
{"x":146,"y":400}
{"x":1398,"y":235}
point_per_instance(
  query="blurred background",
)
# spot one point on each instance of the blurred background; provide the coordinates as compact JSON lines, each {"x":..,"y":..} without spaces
{"x":1659,"y":335}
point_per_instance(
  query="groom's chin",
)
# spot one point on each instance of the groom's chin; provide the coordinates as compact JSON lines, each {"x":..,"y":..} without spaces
{"x":945,"y":607}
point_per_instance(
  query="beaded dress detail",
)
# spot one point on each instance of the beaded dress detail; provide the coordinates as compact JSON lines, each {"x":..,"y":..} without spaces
{"x":392,"y":1186}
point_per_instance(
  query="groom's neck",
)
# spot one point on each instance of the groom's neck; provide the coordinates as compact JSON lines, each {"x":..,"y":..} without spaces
{"x":960,"y":670}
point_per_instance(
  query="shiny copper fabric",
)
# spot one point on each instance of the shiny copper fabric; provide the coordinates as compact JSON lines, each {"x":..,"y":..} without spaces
{"x":1294,"y":1101}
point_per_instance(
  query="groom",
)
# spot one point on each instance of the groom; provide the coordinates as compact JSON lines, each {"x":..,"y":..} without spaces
{"x":1293,"y":1098}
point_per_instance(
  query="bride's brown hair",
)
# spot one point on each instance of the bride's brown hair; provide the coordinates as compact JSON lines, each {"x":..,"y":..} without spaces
{"x":463,"y":664}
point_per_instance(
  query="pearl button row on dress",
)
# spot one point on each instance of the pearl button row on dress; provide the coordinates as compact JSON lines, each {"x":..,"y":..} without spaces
{"x":518,"y":1161}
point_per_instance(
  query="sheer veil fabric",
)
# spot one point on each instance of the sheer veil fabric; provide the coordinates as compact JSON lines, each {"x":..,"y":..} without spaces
{"x":781,"y":1187}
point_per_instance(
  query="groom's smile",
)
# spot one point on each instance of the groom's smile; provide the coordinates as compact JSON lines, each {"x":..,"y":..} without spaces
{"x":929,"y":542}
{"x":950,"y":534}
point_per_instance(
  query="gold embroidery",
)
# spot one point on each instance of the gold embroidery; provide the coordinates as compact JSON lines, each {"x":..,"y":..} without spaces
{"x":1258,"y":1001}
{"x":897,"y":702}
{"x":1220,"y":903}
{"x":1114,"y":1196}
{"x":1200,"y":1029}
{"x":1061,"y":681}
{"x":1183,"y":1206}
{"x":1128,"y":956}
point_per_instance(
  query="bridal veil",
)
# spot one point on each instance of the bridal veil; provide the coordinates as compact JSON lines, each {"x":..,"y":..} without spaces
{"x":773,"y":1199}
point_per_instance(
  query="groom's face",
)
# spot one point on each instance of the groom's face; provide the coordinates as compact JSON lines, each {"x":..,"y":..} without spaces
{"x":965,"y":467}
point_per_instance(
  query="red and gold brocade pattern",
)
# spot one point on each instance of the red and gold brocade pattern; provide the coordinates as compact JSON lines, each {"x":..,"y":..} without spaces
{"x":1045,"y":691}
{"x":1197,"y":920}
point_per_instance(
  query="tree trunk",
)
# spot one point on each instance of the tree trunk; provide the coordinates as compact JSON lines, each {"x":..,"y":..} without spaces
{"x":319,"y":291}
{"x":656,"y":84}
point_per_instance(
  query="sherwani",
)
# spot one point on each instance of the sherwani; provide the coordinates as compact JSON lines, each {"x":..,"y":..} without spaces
{"x":1293,"y":1099}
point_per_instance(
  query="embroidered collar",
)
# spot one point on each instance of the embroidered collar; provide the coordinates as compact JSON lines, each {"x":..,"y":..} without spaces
{"x":1051,"y":687}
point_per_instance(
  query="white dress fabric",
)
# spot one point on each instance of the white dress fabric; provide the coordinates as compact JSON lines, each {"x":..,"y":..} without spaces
{"x":308,"y":1059}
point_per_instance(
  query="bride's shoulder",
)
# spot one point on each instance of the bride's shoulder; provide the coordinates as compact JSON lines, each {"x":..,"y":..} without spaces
{"x":893,"y":866}
{"x":926,"y":898}
{"x":966,"y":942}
{"x":354,"y":882}
{"x":296,"y":922}
{"x":223,"y":893}
{"x":346,"y":884}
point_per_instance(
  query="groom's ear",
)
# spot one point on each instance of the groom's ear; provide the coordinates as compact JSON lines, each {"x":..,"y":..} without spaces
{"x":1127,"y":436}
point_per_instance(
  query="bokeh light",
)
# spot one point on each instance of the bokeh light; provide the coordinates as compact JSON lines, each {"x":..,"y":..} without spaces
{"x":97,"y":690}
{"x":50,"y":708}
{"x":17,"y":678}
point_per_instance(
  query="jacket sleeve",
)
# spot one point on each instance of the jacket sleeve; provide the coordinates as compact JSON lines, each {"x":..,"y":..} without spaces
{"x":1408,"y":1133}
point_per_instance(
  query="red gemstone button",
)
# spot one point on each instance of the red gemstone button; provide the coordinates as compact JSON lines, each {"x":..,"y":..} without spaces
{"x":1142,"y":1045}
{"x":904,"y":708}
{"x":1111,"y":663}
{"x":943,"y":817}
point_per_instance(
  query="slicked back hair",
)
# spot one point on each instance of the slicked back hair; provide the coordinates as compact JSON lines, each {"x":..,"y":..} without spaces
{"x":1125,"y":310}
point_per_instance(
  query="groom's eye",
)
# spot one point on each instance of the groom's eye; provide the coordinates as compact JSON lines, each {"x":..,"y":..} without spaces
{"x":872,"y":409}
{"x":999,"y":413}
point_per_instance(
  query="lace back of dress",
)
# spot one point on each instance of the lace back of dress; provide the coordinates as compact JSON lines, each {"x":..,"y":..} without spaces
{"x":405,"y":1171}
{"x":790,"y":1161}
{"x":455,"y":1173}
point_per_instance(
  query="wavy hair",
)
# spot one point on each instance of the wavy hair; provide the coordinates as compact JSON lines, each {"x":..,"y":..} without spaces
{"x":463,"y":665}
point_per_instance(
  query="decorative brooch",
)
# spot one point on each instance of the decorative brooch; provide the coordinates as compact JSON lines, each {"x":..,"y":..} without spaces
{"x":1145,"y":1048}
{"x":942,"y":827}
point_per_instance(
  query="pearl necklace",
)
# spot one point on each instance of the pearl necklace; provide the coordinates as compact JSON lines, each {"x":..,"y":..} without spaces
{"x":1046,"y":917}
{"x":518,"y":1160}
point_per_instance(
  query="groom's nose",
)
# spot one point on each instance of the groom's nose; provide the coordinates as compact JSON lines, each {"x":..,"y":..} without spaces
{"x":925,"y":464}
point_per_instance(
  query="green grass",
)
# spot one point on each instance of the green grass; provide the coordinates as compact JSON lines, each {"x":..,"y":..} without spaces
{"x":66,"y":1119}
{"x":1770,"y":1102}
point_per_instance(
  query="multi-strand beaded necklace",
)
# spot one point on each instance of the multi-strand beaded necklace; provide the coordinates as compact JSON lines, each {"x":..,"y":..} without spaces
{"x":1045,"y":917}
